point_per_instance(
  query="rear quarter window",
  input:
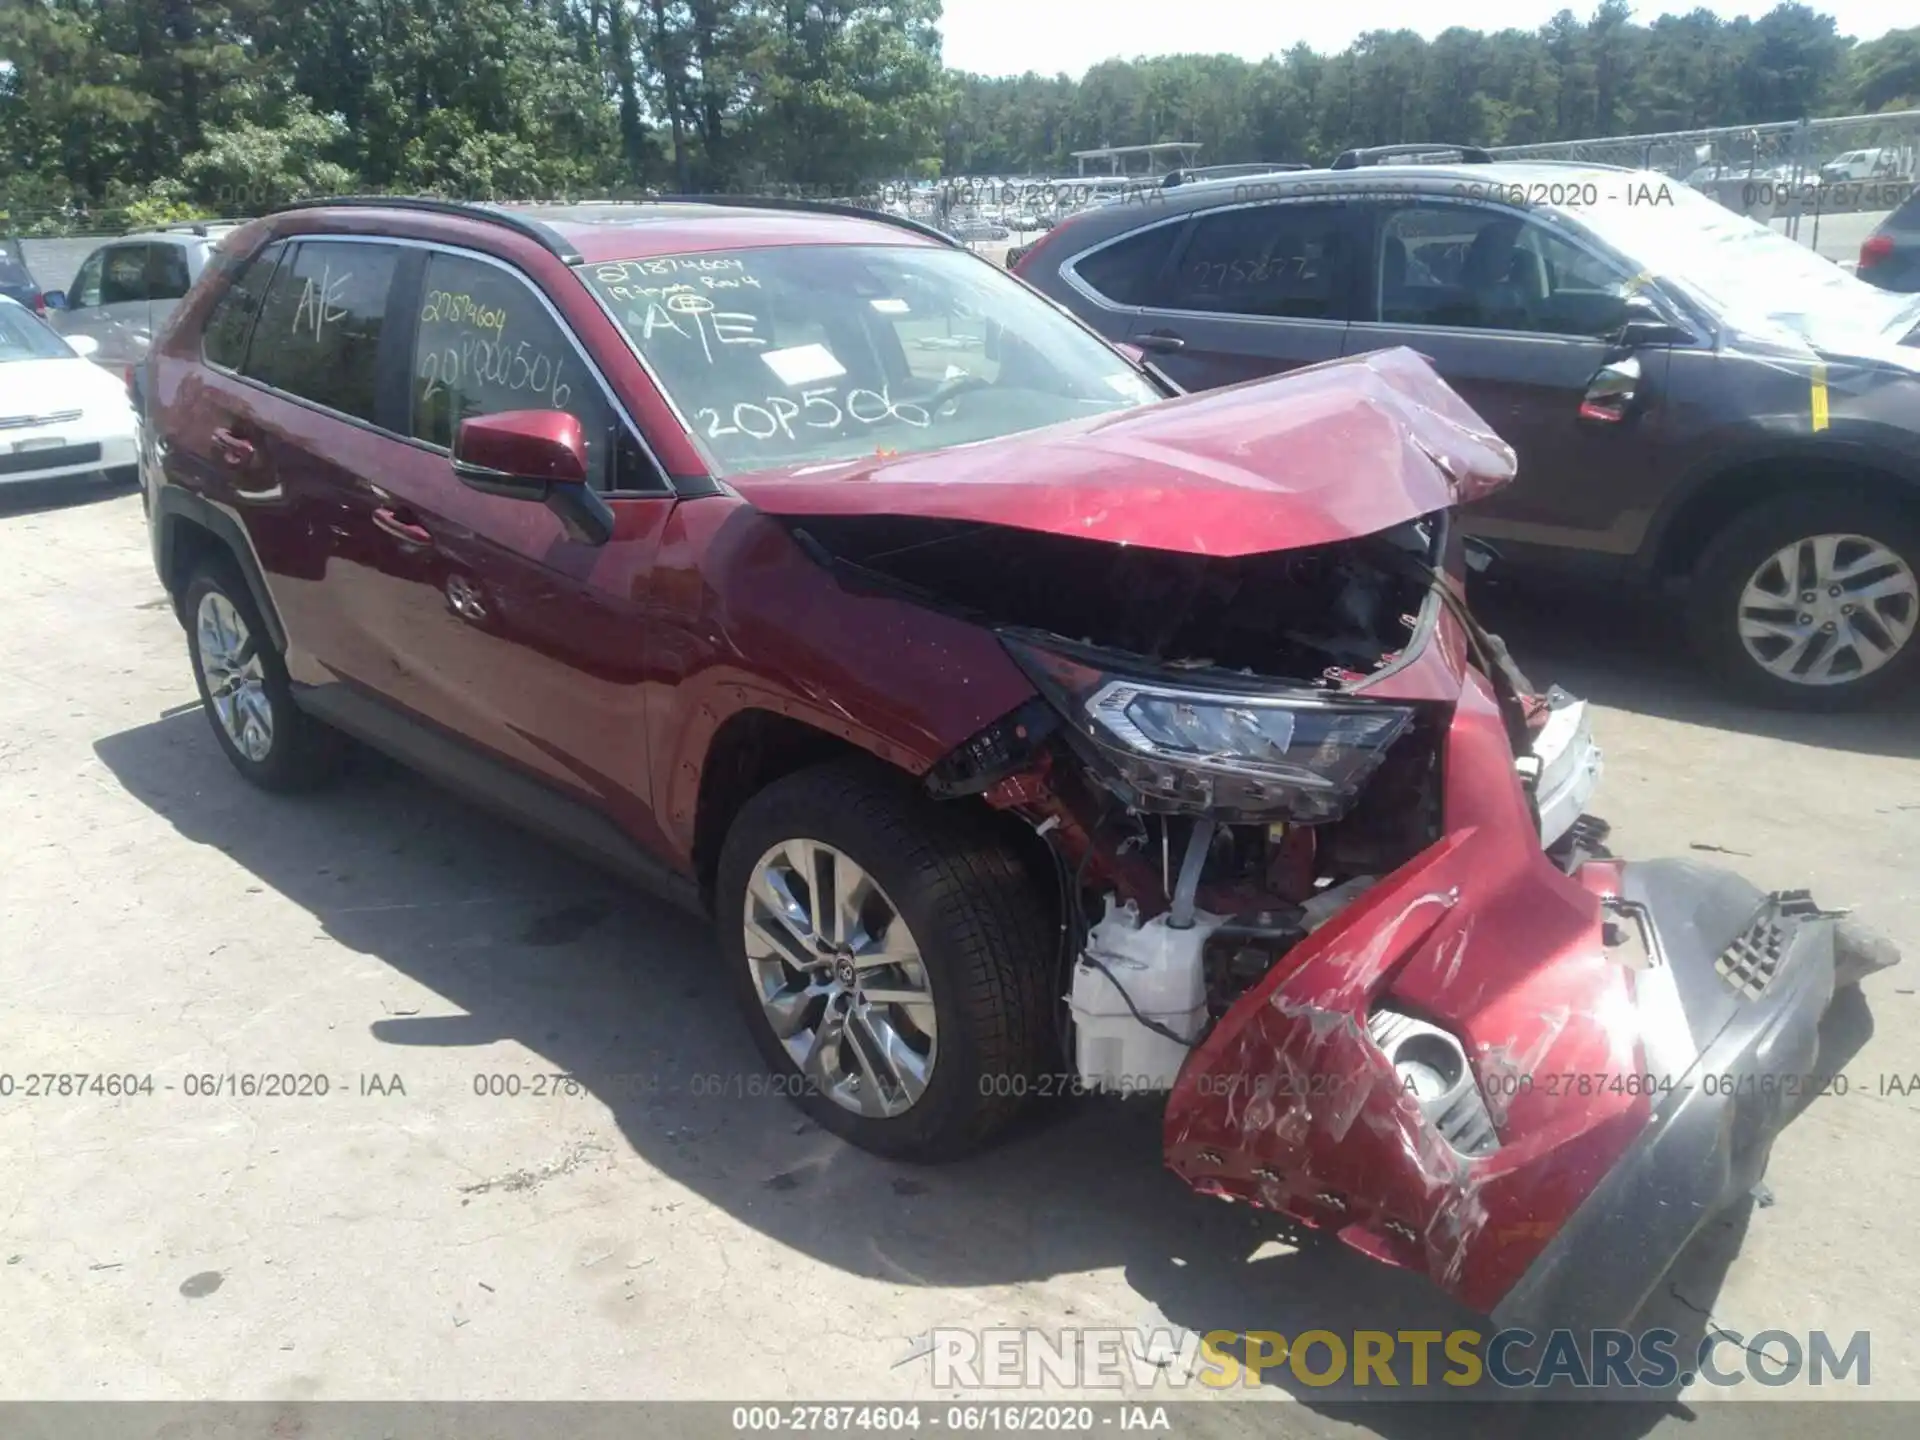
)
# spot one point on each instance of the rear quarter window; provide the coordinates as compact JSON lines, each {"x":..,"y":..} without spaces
{"x":1125,"y":271}
{"x":1906,"y":216}
{"x":225,"y":340}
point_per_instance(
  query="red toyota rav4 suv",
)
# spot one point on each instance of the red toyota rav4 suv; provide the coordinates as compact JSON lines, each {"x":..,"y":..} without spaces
{"x":1018,"y":717}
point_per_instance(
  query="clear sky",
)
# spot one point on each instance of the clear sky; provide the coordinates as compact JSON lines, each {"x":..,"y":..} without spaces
{"x":1007,"y":37}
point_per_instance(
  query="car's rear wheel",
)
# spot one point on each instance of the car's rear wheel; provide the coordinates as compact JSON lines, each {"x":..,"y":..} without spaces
{"x":891,"y":958}
{"x":245,"y":691}
{"x":1812,"y":601}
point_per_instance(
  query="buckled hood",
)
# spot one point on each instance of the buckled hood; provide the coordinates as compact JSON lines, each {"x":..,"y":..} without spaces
{"x":1325,"y":453}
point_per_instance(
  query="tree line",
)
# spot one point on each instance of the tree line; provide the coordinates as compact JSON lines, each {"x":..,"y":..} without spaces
{"x":146,"y":110}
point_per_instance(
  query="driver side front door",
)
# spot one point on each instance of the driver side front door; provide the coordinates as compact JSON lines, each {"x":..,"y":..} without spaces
{"x":1519,"y":319}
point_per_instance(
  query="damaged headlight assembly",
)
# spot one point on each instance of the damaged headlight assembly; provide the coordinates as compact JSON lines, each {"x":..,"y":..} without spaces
{"x":1254,"y":751}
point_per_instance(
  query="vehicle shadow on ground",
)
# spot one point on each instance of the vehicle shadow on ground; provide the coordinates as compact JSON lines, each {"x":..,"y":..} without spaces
{"x":32,"y":496}
{"x":531,"y":946}
{"x":1631,"y":655}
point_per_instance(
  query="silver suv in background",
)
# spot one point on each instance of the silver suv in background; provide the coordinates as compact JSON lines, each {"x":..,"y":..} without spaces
{"x":124,"y":291}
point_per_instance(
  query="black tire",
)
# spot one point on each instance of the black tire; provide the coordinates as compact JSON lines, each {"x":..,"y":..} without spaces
{"x":302,"y":753}
{"x":1738,"y":552}
{"x":983,"y":925}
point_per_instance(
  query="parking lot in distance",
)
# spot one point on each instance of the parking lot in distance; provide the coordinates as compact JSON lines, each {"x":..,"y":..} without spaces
{"x":662,"y":1229}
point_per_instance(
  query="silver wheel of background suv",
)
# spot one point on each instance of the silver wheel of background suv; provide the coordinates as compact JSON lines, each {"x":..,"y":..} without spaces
{"x":840,"y":978}
{"x":1828,"y":609}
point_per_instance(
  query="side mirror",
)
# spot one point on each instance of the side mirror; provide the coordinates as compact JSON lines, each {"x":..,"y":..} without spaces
{"x":85,"y":346}
{"x":1642,"y":323}
{"x":55,"y":300}
{"x":536,"y":455}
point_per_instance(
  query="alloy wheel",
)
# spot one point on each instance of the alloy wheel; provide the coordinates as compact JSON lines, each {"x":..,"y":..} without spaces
{"x":1828,"y":609}
{"x":840,"y":978}
{"x":236,"y":679}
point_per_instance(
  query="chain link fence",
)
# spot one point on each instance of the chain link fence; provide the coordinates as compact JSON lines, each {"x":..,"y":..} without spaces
{"x":1825,"y":183}
{"x":56,"y":243}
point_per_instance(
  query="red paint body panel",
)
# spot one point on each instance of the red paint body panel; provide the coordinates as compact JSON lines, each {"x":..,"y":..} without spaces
{"x":743,"y":620}
{"x":1287,"y":1101}
{"x":1326,"y":453}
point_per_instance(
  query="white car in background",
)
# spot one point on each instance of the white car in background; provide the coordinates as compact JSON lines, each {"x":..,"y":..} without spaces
{"x":61,"y":415}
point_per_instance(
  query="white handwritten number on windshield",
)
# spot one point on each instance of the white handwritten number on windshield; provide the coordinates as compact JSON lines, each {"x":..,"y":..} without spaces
{"x":817,"y":409}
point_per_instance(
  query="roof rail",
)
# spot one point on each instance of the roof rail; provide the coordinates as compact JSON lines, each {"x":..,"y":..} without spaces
{"x":1223,"y":172}
{"x":1354,"y":159}
{"x":1574,"y":164}
{"x":818,"y":207}
{"x":544,"y":235}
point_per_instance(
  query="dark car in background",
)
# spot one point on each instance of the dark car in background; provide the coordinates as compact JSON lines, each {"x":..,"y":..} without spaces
{"x":16,"y":280}
{"x":1700,"y":406}
{"x":1890,"y":256}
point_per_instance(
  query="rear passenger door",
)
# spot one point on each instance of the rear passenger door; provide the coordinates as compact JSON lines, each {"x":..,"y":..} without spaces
{"x":314,"y":426}
{"x":1252,"y":290}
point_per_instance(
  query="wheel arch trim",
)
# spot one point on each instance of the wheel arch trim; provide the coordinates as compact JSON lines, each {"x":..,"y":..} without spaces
{"x":1668,"y":549}
{"x":174,"y":510}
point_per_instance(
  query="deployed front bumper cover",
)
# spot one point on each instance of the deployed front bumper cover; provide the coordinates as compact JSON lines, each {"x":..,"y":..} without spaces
{"x":1754,"y":974}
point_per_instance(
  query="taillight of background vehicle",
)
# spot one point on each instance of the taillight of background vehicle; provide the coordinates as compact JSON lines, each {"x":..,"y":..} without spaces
{"x":1874,"y":250}
{"x":39,"y":304}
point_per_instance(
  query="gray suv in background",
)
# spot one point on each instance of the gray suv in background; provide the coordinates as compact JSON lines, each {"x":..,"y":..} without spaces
{"x":1701,"y":407}
{"x":125,"y":290}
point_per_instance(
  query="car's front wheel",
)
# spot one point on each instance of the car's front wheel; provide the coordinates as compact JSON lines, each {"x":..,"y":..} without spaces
{"x":1812,"y":601}
{"x":244,"y":687}
{"x":891,"y":956}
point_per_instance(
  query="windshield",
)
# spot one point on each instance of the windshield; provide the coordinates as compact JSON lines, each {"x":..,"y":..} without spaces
{"x":24,"y":338}
{"x":786,"y":355}
{"x":1744,"y":269}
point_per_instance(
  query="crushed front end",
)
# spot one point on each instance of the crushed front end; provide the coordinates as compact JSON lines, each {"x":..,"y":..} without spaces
{"x":1324,"y":874}
{"x":1388,"y":998}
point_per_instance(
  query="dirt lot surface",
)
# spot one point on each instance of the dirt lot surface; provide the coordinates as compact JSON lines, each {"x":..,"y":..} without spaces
{"x":661,"y":1228}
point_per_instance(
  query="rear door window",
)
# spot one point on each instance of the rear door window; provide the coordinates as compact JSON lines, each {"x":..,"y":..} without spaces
{"x":1288,"y":261}
{"x":318,"y":333}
